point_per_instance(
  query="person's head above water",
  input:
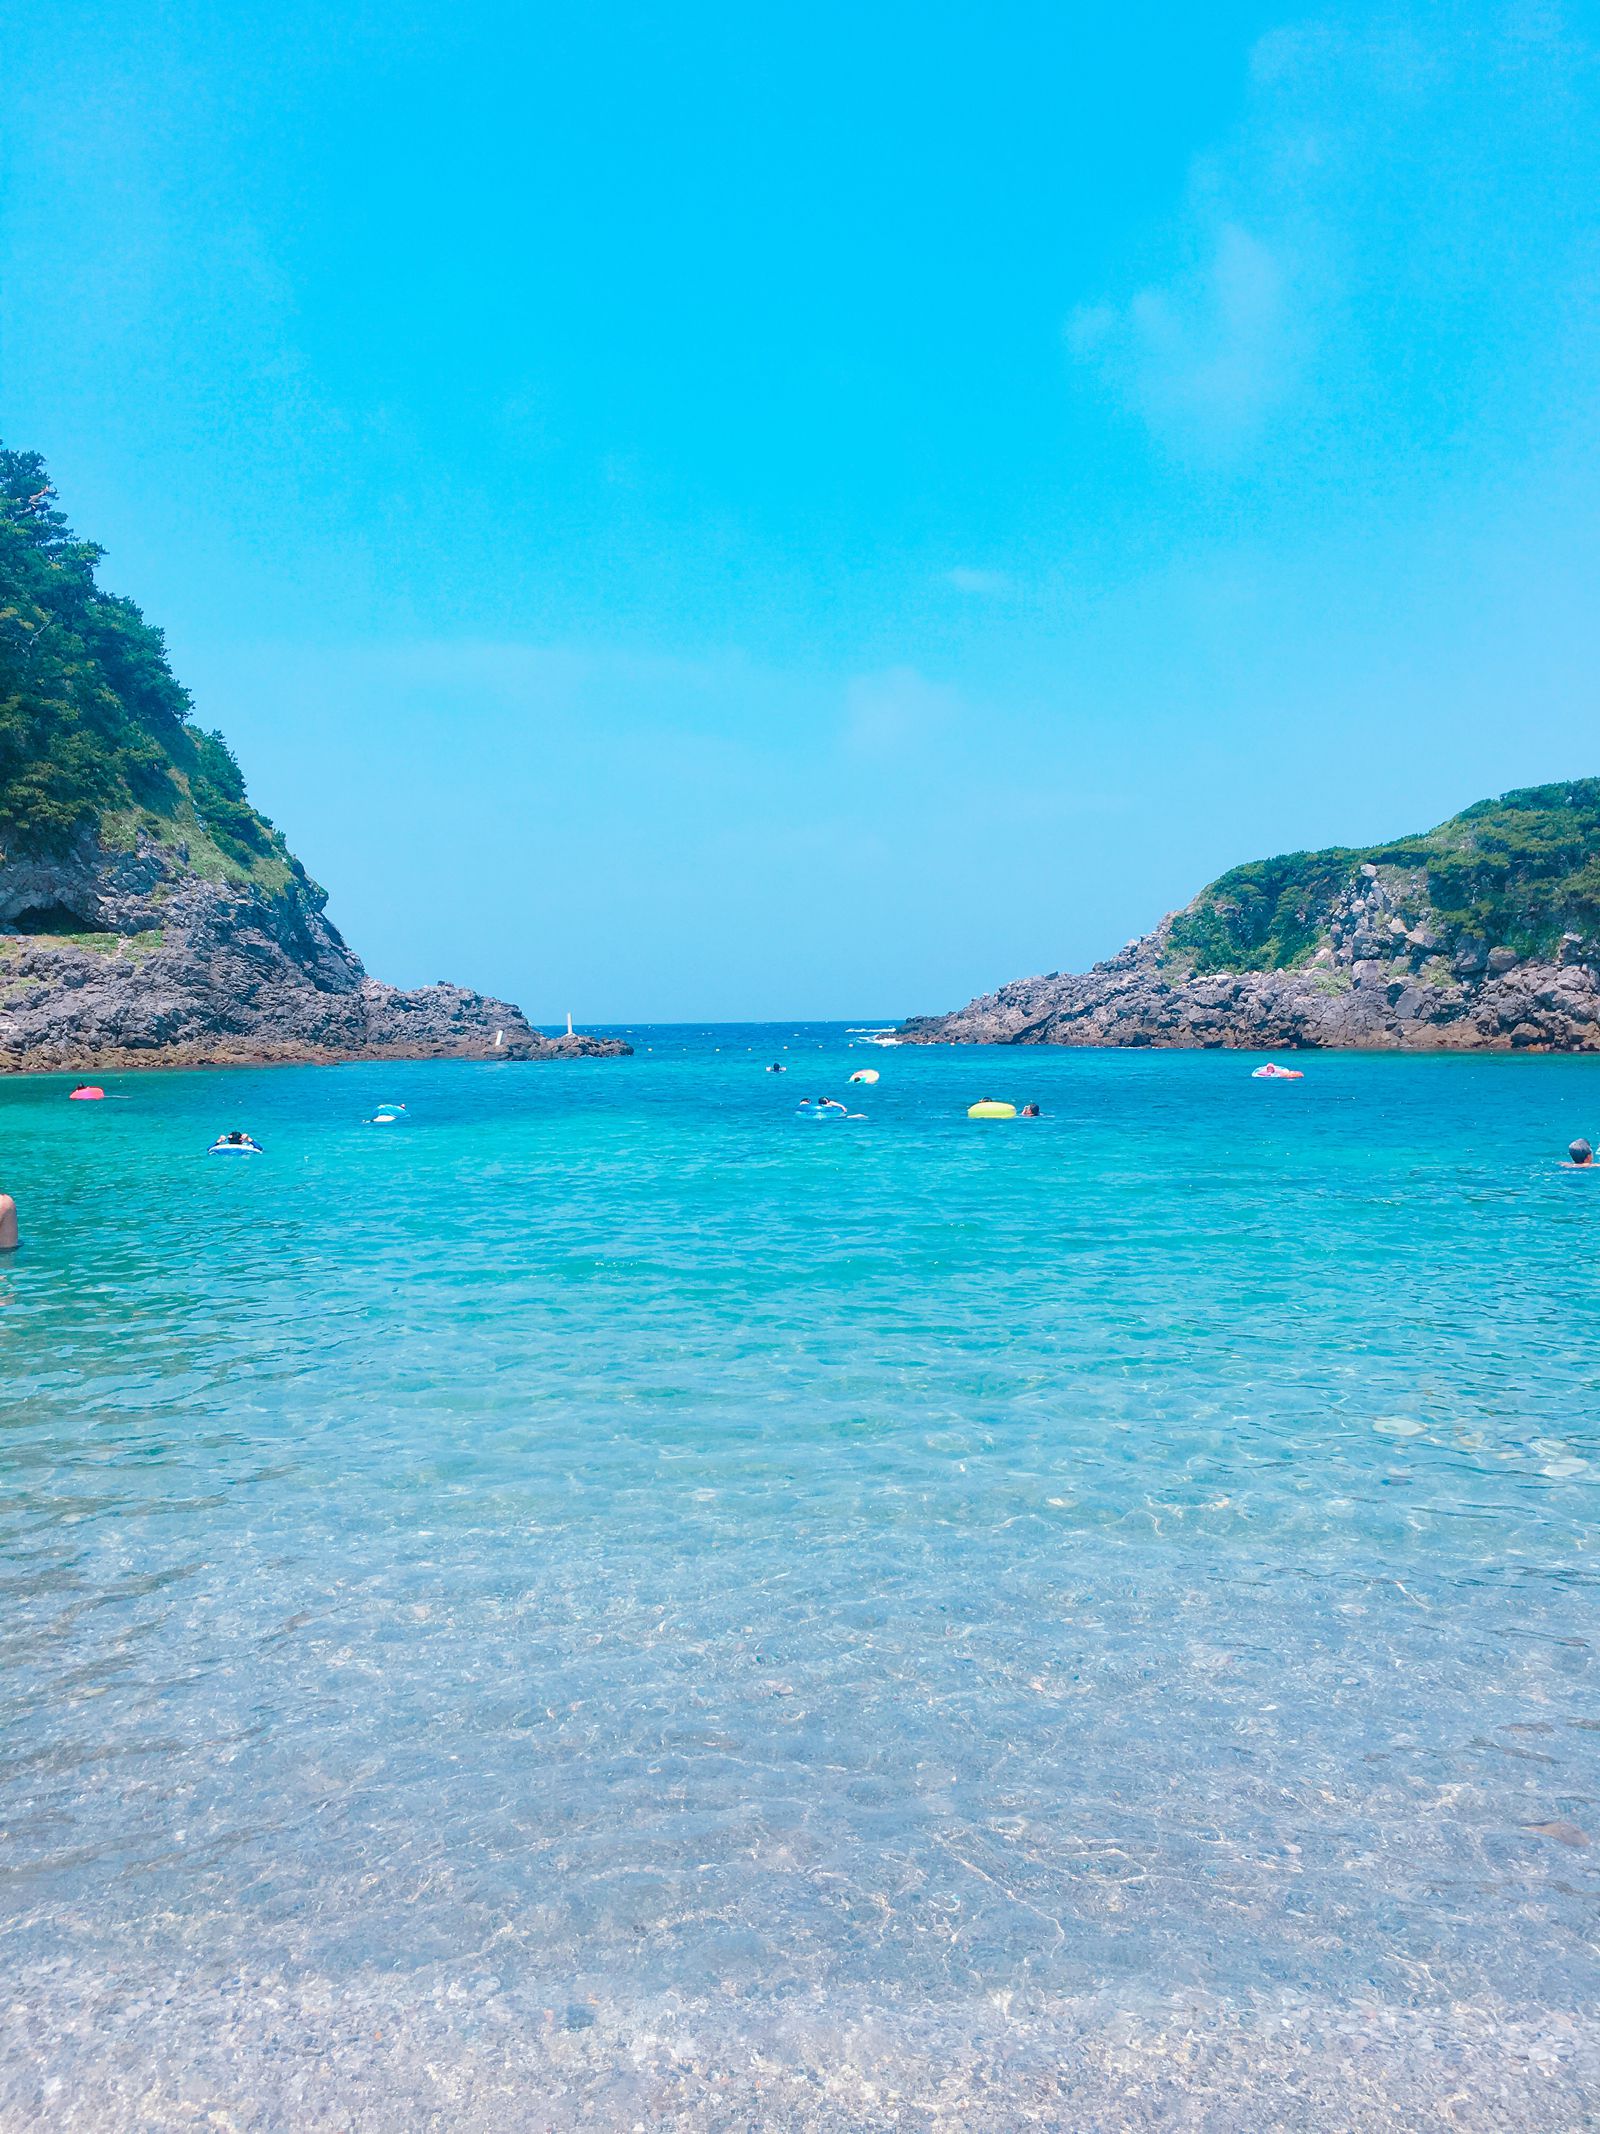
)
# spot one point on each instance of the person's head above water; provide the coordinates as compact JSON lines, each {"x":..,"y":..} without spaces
{"x":1030,"y":1111}
{"x":1579,"y":1153}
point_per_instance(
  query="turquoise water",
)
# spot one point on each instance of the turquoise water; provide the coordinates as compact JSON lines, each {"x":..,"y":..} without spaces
{"x":612,"y":1600}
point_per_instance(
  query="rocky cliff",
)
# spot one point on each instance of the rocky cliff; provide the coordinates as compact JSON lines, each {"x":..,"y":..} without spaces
{"x":149,"y":914}
{"x":1483,"y":934}
{"x":122,"y":958}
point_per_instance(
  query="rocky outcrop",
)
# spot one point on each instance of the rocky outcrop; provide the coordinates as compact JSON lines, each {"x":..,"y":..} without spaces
{"x":149,"y":914}
{"x":130,"y":957}
{"x":1387,"y":972}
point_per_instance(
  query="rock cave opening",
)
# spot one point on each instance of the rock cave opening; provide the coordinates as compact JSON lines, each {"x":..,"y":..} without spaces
{"x":50,"y":919}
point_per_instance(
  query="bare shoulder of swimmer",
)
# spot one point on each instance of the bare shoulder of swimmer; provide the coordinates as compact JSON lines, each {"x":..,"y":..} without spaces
{"x":8,"y":1223}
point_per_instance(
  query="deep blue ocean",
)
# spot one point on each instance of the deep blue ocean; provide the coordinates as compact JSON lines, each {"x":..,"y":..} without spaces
{"x":611,"y":1603}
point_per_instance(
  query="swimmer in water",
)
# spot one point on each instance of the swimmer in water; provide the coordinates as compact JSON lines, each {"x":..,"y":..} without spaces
{"x":1580,"y":1157}
{"x":777,"y":1067}
{"x":1029,"y":1111}
{"x":8,"y":1223}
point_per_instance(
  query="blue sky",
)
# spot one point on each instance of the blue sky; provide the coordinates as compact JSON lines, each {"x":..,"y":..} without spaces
{"x":728,"y":512}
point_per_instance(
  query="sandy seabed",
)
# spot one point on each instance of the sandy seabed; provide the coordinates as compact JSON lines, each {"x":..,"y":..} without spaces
{"x":388,"y":2055}
{"x":589,"y":1615}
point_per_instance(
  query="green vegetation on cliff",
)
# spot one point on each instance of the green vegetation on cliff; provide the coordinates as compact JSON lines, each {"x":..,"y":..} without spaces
{"x":95,"y":730}
{"x":1517,"y":872}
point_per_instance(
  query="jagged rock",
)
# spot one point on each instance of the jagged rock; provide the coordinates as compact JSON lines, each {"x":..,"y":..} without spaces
{"x":1353,"y":952}
{"x":129,"y":958}
{"x":1131,"y":1000}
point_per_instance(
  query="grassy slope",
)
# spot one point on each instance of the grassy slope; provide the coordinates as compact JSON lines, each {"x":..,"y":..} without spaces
{"x":95,"y":730}
{"x":1517,"y":872}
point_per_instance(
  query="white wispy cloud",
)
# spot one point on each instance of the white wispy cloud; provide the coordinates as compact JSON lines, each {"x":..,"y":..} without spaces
{"x":1209,"y":354}
{"x":985,"y":584}
{"x":1211,"y":351}
{"x":887,"y":713}
{"x":1363,"y":190}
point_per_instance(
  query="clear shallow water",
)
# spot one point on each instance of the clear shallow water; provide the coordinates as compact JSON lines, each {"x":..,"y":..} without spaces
{"x":612,"y":1595}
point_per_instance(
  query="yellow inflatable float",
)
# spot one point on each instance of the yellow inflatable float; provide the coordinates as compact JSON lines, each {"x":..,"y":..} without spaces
{"x":990,"y":1110}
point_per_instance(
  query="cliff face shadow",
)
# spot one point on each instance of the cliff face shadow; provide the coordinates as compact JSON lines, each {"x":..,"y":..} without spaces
{"x":54,"y":918}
